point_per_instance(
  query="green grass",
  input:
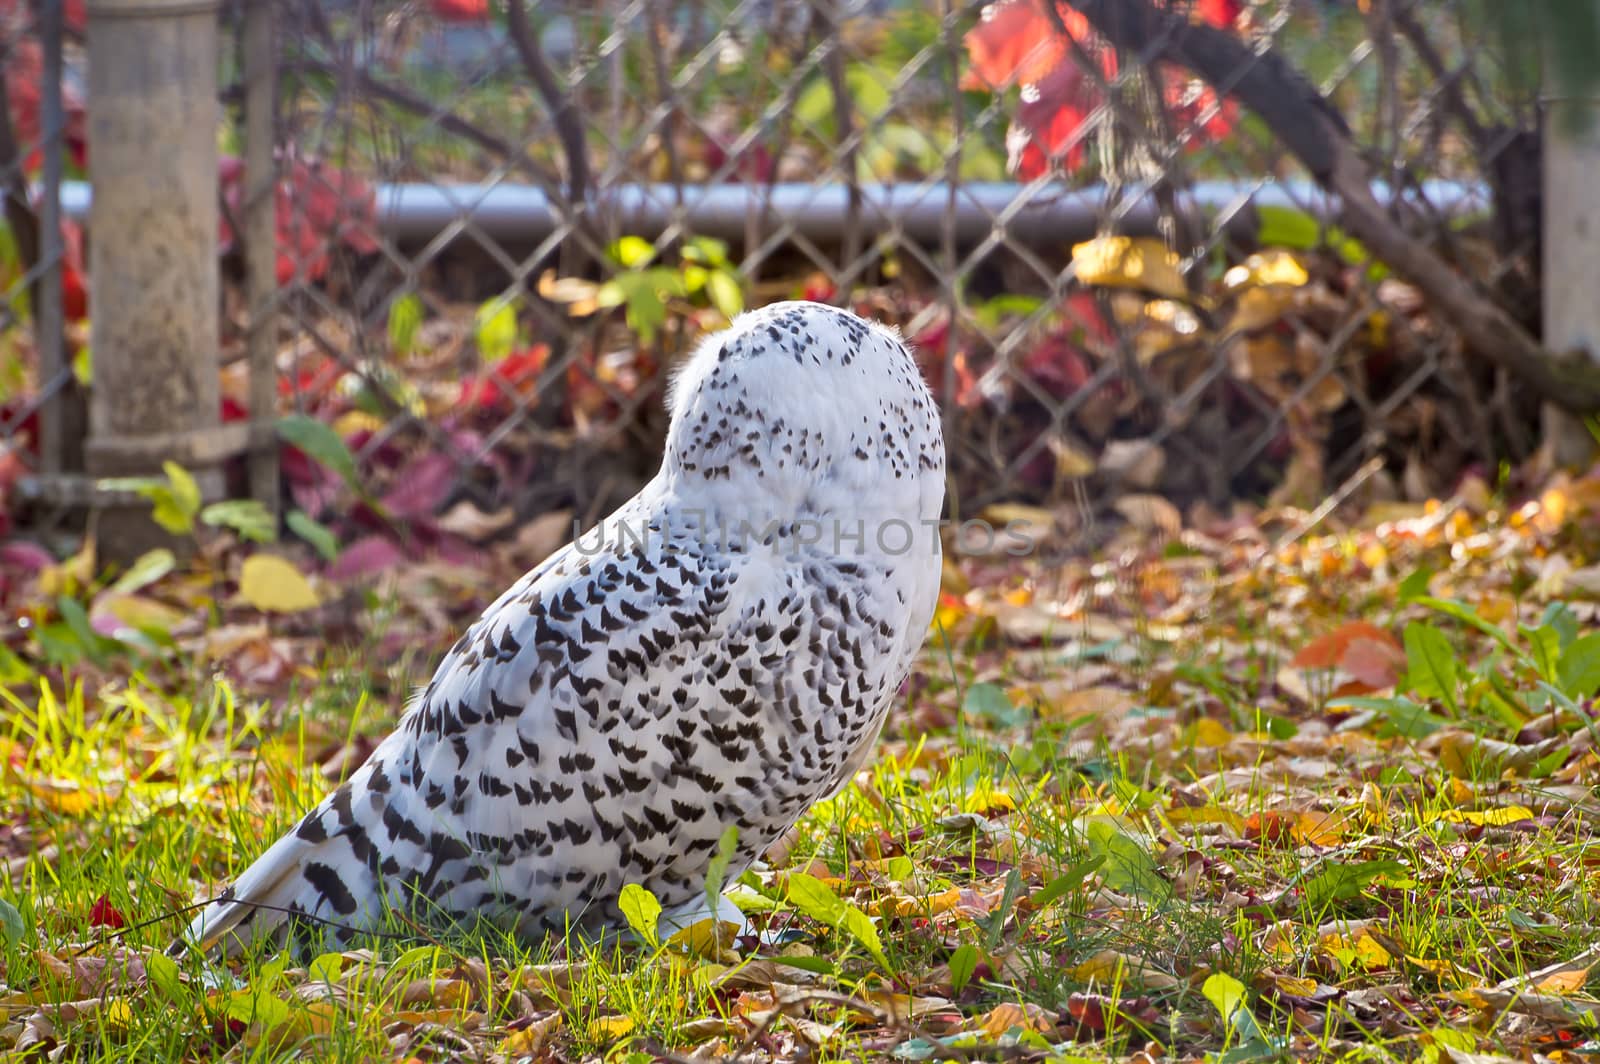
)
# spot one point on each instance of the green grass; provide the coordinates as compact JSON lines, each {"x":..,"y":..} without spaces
{"x":1070,"y":853}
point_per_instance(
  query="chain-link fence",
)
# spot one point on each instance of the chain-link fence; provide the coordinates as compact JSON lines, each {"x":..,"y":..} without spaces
{"x":42,"y":269}
{"x":498,"y":228}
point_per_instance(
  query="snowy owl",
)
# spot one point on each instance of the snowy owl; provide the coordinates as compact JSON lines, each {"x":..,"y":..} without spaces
{"x":721,"y":651}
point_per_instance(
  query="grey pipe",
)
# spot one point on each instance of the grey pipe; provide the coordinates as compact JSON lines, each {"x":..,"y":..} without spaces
{"x":416,"y":213}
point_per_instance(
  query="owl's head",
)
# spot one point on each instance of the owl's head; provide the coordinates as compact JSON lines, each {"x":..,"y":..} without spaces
{"x":810,"y":403}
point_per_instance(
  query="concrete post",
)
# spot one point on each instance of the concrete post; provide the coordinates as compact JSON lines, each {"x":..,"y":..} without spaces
{"x":153,"y":224}
{"x":1571,"y":251}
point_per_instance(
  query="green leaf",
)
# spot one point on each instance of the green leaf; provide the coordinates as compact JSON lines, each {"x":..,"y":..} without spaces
{"x":248,"y":517}
{"x":319,"y":441}
{"x":1559,"y":615}
{"x":1415,"y":586}
{"x":257,"y":1006}
{"x":1227,"y":996}
{"x":1409,"y":719}
{"x":632,"y":252}
{"x":11,"y":926}
{"x":1468,"y":616}
{"x":813,"y":897}
{"x":314,"y":532}
{"x":495,"y":329}
{"x":76,"y":619}
{"x":642,"y":911}
{"x":706,"y":250}
{"x":325,"y":969}
{"x":1431,"y":665}
{"x":1065,"y":883}
{"x":151,"y":566}
{"x":963,"y":962}
{"x":717,"y":867}
{"x":1128,"y":865}
{"x":989,"y":702}
{"x":405,"y":318}
{"x":185,"y":492}
{"x":13,"y":670}
{"x":1287,"y":227}
{"x":1544,"y":646}
{"x":1342,"y":880}
{"x":813,"y":108}
{"x":996,"y":924}
{"x":722,"y":288}
{"x":163,"y":973}
{"x":1578,"y":673}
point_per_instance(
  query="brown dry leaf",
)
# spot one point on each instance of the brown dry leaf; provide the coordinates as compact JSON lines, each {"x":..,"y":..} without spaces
{"x":469,"y":522}
{"x":448,"y":993}
{"x":530,"y":1041}
{"x":1109,"y":966}
{"x":1009,"y":1017}
{"x":580,"y":296}
{"x":1099,"y":701}
{"x":542,"y":537}
{"x":914,"y":905}
{"x":1150,"y":513}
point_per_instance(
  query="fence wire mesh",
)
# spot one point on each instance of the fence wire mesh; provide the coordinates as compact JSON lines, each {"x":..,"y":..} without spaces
{"x":42,"y":271}
{"x":499,"y":228}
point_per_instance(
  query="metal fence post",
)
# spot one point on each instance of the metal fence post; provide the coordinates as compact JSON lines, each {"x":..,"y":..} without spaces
{"x":153,"y":114}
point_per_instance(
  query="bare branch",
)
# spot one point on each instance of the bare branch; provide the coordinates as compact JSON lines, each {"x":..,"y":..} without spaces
{"x":568,"y":123}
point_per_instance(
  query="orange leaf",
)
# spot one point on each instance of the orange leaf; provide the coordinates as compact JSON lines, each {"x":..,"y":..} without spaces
{"x":1373,"y":663}
{"x":1328,"y":651}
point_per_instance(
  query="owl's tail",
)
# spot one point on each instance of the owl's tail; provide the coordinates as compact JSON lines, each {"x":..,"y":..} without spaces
{"x":323,"y":874}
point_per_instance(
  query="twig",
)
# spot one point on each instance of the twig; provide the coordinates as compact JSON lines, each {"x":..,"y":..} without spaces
{"x":568,"y":123}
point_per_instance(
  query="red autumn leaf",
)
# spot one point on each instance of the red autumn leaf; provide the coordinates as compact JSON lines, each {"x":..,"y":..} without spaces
{"x":366,"y":557}
{"x":1022,"y":42}
{"x":318,"y":208}
{"x":461,"y":10}
{"x":1223,"y":14}
{"x":1017,"y":42}
{"x":422,"y":487}
{"x":1057,"y":365}
{"x":1373,"y":663}
{"x":1271,"y":826}
{"x":24,"y":74}
{"x":1328,"y":651}
{"x":104,"y":914}
{"x":516,"y":374}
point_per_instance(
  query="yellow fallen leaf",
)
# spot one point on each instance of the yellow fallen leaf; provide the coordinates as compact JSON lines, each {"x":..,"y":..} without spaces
{"x":1109,"y":966}
{"x":1204,"y":814}
{"x":709,"y":938}
{"x":271,"y":584}
{"x":353,"y":421}
{"x":66,"y":577}
{"x":1496,"y":817}
{"x":1142,"y":262}
{"x":1273,"y":267}
{"x":531,"y":1040}
{"x":609,"y":1028}
{"x":1295,"y":985}
{"x":1209,"y":733}
{"x":912,"y":905}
